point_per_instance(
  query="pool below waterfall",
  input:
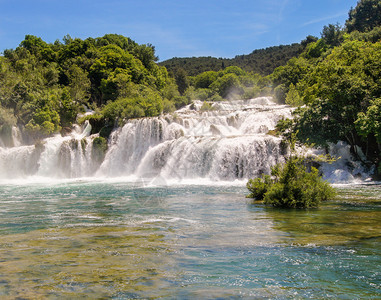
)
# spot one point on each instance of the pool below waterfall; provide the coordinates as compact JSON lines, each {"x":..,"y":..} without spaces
{"x":121,"y":240}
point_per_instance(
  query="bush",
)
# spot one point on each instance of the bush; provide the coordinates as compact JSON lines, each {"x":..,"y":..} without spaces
{"x":251,"y":92}
{"x":206,"y":106}
{"x":291,"y":185}
{"x":168,"y":106}
{"x":259,"y":186}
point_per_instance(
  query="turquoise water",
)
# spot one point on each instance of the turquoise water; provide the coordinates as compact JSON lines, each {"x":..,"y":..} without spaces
{"x":80,"y":239}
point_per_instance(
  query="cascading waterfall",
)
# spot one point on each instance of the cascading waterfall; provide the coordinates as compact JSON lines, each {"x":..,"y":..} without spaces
{"x":228,"y":142}
{"x":54,"y":157}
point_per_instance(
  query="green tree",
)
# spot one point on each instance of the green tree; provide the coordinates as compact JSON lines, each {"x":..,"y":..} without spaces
{"x":205,"y":79}
{"x":365,"y":16}
{"x":79,"y":84}
{"x":332,"y":35}
{"x":291,"y":186}
{"x":234,"y":70}
{"x":44,"y":122}
{"x":181,"y":81}
{"x":339,"y":88}
{"x":369,"y":122}
{"x":293,"y":98}
{"x":228,"y":86}
{"x":68,"y":109}
{"x":316,"y":49}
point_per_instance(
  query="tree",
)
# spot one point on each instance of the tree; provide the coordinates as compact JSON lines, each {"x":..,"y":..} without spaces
{"x":291,"y":186}
{"x":332,"y":35}
{"x":365,"y":16}
{"x":205,"y":79}
{"x":68,"y":109}
{"x":338,"y":89}
{"x":308,"y":40}
{"x":293,"y":98}
{"x":181,"y":80}
{"x":7,"y":121}
{"x":44,"y":122}
{"x":316,"y":49}
{"x":369,"y":122}
{"x":368,"y":125}
{"x":79,"y":84}
{"x":38,"y":47}
{"x":146,"y":54}
{"x":228,"y":86}
{"x":44,"y":85}
{"x":234,"y":70}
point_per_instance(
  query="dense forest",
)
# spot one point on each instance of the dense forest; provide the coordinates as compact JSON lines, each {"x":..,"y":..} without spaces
{"x":45,"y":86}
{"x":262,"y":61}
{"x":334,"y":81}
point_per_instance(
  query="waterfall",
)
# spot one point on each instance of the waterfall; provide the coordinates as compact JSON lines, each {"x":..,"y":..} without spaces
{"x":54,"y":157}
{"x":228,"y":142}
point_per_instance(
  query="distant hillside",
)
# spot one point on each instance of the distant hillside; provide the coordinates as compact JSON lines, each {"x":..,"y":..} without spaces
{"x":262,"y":61}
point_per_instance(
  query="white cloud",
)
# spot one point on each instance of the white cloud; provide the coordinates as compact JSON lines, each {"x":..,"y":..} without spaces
{"x":320,"y":20}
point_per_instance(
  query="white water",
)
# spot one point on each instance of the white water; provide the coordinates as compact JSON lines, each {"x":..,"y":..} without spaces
{"x":226,"y":144}
{"x":55,"y":157}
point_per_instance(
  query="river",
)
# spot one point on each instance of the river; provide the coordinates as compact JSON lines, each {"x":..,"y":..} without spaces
{"x":120,"y":240}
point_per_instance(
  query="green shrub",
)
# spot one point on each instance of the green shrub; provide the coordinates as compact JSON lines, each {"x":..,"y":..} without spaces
{"x":215,"y":98}
{"x":97,"y":122}
{"x":291,"y":186}
{"x":251,"y":92}
{"x":206,"y":106}
{"x":280,"y":93}
{"x":168,"y":106}
{"x":259,"y":186}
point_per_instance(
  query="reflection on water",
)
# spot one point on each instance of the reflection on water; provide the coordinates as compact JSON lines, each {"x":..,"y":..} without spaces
{"x":118,"y":240}
{"x":354,"y":217}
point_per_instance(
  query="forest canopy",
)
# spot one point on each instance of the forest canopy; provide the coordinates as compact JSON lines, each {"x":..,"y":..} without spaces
{"x":261,"y":61}
{"x":45,"y":85}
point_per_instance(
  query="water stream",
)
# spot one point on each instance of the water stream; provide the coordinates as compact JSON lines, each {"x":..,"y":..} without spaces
{"x":227,"y":143}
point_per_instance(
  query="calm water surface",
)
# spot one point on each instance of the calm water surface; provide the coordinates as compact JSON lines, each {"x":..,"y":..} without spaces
{"x":119,"y":240}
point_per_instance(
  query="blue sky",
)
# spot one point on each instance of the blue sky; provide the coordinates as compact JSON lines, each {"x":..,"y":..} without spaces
{"x":223,"y":28}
